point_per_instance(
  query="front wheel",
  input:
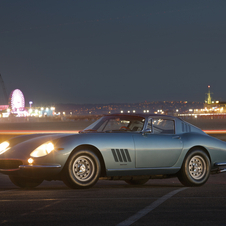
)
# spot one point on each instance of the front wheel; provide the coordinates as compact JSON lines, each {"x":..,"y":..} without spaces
{"x":25,"y":182}
{"x":82,"y":170}
{"x":195,"y":170}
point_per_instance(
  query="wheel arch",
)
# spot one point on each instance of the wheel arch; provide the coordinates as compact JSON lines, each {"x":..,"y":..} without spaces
{"x":96,"y":151}
{"x":198,"y":147}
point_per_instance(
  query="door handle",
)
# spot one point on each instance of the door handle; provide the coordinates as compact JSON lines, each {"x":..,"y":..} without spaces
{"x":176,"y":137}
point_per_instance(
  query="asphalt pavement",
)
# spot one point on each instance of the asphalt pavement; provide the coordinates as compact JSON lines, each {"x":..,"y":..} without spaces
{"x":158,"y":202}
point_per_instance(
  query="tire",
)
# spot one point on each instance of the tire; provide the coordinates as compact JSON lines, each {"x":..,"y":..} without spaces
{"x":195,"y":170}
{"x":137,"y":182}
{"x":82,"y":170}
{"x":25,"y":182}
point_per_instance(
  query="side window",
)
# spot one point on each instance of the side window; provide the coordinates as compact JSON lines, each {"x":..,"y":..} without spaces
{"x":163,"y":126}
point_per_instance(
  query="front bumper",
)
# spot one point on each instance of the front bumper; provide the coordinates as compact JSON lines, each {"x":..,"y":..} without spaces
{"x":42,"y":170}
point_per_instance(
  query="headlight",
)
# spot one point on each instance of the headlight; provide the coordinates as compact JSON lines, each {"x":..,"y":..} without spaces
{"x":4,"y":146}
{"x":43,"y":150}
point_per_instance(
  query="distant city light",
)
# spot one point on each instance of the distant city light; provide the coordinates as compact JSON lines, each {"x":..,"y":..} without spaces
{"x":30,"y":103}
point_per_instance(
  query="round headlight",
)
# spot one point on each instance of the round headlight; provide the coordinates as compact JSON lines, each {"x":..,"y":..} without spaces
{"x":43,"y":150}
{"x":4,"y":146}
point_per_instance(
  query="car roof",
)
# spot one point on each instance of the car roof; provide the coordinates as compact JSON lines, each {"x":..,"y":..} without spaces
{"x":142,"y":115}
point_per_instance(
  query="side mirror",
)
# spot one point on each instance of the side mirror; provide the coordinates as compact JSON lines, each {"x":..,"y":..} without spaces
{"x":146,"y":131}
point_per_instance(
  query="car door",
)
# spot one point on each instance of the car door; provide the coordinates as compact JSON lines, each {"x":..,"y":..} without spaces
{"x":160,"y":148}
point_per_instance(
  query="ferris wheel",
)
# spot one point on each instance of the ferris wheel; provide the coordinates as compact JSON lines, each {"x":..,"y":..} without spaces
{"x":16,"y":100}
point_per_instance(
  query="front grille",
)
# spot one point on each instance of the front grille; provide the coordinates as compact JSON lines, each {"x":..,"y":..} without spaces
{"x":10,"y":164}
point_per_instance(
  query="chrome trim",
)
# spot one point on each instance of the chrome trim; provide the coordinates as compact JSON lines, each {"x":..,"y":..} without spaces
{"x":9,"y":170}
{"x":146,"y":124}
{"x":176,"y":137}
{"x":156,"y":168}
{"x":218,"y":169}
{"x":220,"y":164}
{"x":39,"y":166}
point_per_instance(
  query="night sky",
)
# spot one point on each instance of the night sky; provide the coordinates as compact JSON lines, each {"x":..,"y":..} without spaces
{"x":113,"y":51}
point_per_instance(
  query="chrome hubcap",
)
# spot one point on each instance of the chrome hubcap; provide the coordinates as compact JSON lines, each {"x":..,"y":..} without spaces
{"x":197,"y":167}
{"x":83,"y":168}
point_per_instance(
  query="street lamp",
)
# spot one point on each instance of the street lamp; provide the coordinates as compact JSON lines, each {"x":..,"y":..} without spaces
{"x":30,"y":103}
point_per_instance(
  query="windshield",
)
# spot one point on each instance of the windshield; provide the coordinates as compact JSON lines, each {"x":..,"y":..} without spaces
{"x":117,"y":123}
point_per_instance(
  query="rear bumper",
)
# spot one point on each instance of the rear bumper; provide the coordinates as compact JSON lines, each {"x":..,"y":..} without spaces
{"x":219,"y":167}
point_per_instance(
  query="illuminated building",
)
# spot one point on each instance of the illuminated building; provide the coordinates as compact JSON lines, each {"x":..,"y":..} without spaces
{"x":214,"y":106}
{"x":211,"y":108}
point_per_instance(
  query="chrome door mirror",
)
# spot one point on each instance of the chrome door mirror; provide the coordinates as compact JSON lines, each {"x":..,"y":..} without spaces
{"x":146,"y":131}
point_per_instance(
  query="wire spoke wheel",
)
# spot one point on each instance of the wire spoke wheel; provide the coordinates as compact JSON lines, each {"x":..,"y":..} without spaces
{"x":197,"y":167}
{"x":82,"y":169}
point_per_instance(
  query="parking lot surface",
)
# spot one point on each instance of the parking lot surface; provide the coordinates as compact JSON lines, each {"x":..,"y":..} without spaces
{"x":158,"y":202}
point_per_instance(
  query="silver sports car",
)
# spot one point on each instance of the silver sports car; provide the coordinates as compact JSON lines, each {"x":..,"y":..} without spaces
{"x":133,"y":148}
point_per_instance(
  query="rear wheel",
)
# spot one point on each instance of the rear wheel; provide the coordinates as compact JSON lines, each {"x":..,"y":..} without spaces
{"x":25,"y":182}
{"x":82,"y":170}
{"x":137,"y":181}
{"x":195,"y":170}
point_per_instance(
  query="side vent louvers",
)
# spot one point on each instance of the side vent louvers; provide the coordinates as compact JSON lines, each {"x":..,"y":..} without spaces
{"x":121,"y":155}
{"x":186,"y":127}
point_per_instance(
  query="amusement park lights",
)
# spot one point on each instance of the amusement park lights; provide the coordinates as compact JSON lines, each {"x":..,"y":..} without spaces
{"x":17,"y":101}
